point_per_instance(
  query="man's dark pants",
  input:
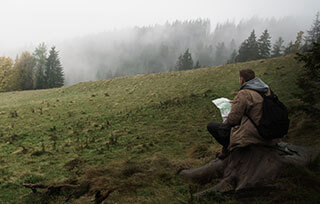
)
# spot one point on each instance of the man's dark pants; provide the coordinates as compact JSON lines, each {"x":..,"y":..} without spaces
{"x":221,"y":132}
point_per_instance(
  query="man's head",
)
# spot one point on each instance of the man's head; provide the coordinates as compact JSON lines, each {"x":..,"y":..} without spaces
{"x":246,"y":75}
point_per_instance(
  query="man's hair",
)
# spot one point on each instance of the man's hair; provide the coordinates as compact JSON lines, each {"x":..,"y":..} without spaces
{"x":247,"y":74}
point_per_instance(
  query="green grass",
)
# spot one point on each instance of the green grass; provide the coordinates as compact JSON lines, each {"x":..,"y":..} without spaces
{"x":130,"y":134}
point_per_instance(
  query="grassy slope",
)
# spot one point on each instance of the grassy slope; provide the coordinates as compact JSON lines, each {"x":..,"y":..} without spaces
{"x":130,"y":133}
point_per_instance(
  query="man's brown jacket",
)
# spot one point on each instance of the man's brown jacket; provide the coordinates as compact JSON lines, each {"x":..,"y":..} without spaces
{"x":243,"y":133}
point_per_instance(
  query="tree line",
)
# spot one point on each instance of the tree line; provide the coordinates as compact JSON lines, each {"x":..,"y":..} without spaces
{"x":255,"y":49}
{"x":250,"y":49}
{"x":38,"y":70}
{"x":156,"y":48}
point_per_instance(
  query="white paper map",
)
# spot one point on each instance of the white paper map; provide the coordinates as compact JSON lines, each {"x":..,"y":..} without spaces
{"x":224,"y":106}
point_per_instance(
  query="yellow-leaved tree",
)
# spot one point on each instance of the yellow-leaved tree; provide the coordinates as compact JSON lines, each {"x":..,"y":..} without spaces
{"x":8,"y":75}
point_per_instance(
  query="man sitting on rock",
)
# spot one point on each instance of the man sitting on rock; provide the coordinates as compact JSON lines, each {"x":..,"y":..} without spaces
{"x":237,"y":130}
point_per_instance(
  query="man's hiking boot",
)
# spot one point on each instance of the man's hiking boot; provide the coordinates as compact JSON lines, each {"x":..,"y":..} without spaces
{"x":223,"y":154}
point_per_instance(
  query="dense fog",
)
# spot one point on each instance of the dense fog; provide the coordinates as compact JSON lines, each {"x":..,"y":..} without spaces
{"x":156,"y":48}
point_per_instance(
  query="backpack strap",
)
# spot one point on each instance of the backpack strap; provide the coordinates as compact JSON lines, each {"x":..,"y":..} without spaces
{"x":246,"y":114}
{"x":255,"y":125}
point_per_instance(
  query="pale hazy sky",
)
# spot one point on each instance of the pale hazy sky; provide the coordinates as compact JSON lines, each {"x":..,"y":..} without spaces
{"x":24,"y":22}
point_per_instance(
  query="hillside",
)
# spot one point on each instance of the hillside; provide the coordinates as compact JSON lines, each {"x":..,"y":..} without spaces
{"x":130,"y":134}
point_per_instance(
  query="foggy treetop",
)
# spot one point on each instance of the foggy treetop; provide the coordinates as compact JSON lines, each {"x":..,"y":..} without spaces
{"x":156,"y":48}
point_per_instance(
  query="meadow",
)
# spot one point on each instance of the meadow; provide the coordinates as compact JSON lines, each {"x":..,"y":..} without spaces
{"x":132,"y":134}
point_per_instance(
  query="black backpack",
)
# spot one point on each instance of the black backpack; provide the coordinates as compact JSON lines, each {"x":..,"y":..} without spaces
{"x":274,"y":122}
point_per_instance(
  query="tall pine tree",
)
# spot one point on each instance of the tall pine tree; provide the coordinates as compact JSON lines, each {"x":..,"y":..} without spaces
{"x":313,"y":35}
{"x":264,"y":45}
{"x":40,"y":55}
{"x":249,"y":49}
{"x":54,"y":71}
{"x":277,"y":49}
{"x":185,"y":61}
{"x":221,"y":54}
{"x":309,"y":79}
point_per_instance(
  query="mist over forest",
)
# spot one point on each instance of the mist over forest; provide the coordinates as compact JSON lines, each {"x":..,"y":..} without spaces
{"x":156,"y":48}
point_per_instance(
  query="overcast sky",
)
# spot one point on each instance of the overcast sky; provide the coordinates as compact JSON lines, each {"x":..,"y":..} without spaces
{"x":25,"y":22}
